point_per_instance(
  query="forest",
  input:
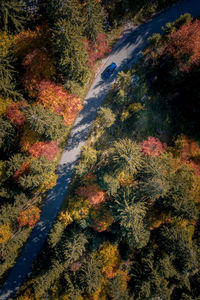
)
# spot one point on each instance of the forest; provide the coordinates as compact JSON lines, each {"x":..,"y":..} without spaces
{"x":130,"y":227}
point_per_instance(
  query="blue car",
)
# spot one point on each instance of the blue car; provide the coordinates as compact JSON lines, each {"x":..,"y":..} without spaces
{"x":109,"y":70}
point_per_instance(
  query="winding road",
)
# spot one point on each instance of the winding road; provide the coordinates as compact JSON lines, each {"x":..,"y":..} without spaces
{"x":124,"y":52}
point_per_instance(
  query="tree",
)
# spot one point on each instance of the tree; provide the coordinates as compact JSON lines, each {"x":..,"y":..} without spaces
{"x":152,"y":146}
{"x":109,"y":258}
{"x":59,"y":100}
{"x":125,"y":155}
{"x":15,"y":115}
{"x":93,"y":193}
{"x":123,"y":86}
{"x":7,"y":135}
{"x":38,"y":66}
{"x":12,"y":15}
{"x":185,"y":38}
{"x":132,"y":219}
{"x":91,"y":275}
{"x":29,"y":217}
{"x":106,"y":118}
{"x":48,"y":150}
{"x":5,"y":233}
{"x":96,"y":50}
{"x":74,"y":248}
{"x":44,"y":122}
{"x":70,"y":51}
{"x":93,"y":19}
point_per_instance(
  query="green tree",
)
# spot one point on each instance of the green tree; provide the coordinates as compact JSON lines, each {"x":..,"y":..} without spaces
{"x":92,"y":19}
{"x":91,"y":275}
{"x":74,"y":247}
{"x":125,"y":155}
{"x":70,"y":51}
{"x":7,"y":135}
{"x":106,"y":118}
{"x":131,"y":216}
{"x":12,"y":15}
{"x":45,"y":122}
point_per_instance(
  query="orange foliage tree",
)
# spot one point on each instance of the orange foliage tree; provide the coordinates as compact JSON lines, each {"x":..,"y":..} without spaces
{"x":184,"y":45}
{"x":15,"y":115}
{"x":49,"y":150}
{"x":96,"y":50}
{"x":29,"y":217}
{"x":93,"y":193}
{"x":59,"y":100}
{"x":152,"y":146}
{"x":38,"y":66}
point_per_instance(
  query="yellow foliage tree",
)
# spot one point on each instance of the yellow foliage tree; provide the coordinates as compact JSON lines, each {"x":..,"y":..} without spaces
{"x":6,"y":43}
{"x":5,"y":233}
{"x":29,"y":137}
{"x":110,"y":259}
{"x":4,"y":103}
{"x":78,"y":207}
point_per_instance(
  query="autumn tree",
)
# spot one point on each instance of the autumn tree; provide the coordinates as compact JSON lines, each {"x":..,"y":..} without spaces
{"x":48,"y":150}
{"x":59,"y":100}
{"x":93,"y":193}
{"x":44,"y":122}
{"x":152,"y":146}
{"x":185,"y":39}
{"x":15,"y":114}
{"x":29,"y":217}
{"x":38,"y":66}
{"x":96,"y":50}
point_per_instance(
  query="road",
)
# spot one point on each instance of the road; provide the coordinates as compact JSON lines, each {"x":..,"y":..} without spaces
{"x":133,"y":40}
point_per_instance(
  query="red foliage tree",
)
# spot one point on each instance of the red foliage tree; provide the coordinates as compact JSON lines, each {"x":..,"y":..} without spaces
{"x":38,"y":66}
{"x":93,"y":193}
{"x":55,"y":97}
{"x":29,"y":217}
{"x":24,"y":168}
{"x":49,"y":150}
{"x":152,"y":146}
{"x":97,"y":50}
{"x":15,"y":115}
{"x":184,"y":45}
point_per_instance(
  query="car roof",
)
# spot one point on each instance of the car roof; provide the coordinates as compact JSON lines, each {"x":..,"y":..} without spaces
{"x":112,"y":66}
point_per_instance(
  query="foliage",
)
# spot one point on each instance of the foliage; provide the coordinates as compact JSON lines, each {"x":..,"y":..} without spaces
{"x":15,"y":115}
{"x":28,"y":40}
{"x":93,"y":193}
{"x":96,"y":50}
{"x":38,"y":66}
{"x":126,"y":156}
{"x":5,"y":233}
{"x":72,"y":56}
{"x":152,"y":146}
{"x":48,"y":150}
{"x":101,"y":218}
{"x":105,"y":118}
{"x":4,"y":103}
{"x":59,"y":100}
{"x":29,"y":217}
{"x":6,"y":43}
{"x":132,"y":219}
{"x":87,"y":161}
{"x":110,"y":259}
{"x":78,"y":208}
{"x":185,"y":38}
{"x":12,"y":13}
{"x":44,"y":122}
{"x":93,"y":20}
{"x":7,"y":134}
{"x":28,"y":138}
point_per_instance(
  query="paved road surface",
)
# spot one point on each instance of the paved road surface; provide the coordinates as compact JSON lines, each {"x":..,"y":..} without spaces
{"x":123,"y":53}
